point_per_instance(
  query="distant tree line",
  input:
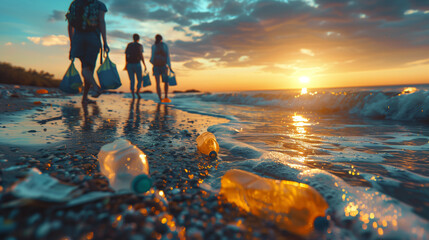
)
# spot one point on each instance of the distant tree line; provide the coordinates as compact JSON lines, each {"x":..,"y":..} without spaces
{"x":17,"y":75}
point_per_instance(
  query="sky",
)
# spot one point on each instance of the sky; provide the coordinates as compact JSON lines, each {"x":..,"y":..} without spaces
{"x":234,"y":45}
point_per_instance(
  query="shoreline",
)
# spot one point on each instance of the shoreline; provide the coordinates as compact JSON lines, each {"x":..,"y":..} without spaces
{"x":167,"y":136}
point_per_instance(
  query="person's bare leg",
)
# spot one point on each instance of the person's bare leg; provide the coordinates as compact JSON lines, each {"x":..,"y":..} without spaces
{"x":85,"y":91}
{"x":88,"y":84}
{"x":137,"y":92}
{"x":165,"y":85}
{"x":158,"y":87}
{"x":88,"y":74}
{"x":166,"y":89}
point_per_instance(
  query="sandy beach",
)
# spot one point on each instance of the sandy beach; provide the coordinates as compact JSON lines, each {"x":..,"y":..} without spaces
{"x":62,"y":137}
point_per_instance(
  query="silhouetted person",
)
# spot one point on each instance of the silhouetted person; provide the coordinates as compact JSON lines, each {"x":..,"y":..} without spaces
{"x":160,"y":60}
{"x":85,"y":24}
{"x":133,"y":56}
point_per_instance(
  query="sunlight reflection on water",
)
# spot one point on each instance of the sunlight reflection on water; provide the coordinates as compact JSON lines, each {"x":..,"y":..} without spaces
{"x":58,"y":120}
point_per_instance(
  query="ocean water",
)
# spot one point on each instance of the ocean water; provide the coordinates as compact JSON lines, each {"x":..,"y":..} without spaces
{"x":366,"y":150}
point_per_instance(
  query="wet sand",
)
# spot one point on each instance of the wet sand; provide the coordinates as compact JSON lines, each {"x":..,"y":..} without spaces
{"x":62,"y":137}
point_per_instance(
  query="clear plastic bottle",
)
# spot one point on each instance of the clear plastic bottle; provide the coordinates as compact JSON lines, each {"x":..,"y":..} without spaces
{"x":293,"y":206}
{"x":207,"y":144}
{"x":125,"y":166}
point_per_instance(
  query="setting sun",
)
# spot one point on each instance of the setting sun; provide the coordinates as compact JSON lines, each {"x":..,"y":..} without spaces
{"x":304,"y":79}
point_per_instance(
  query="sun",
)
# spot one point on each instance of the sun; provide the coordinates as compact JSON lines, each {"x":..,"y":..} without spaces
{"x":304,"y":79}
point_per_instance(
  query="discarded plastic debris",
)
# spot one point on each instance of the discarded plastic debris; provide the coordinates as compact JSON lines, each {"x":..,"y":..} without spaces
{"x":208,"y":145}
{"x":293,"y":206}
{"x":43,"y":187}
{"x":89,"y":197}
{"x":42,"y":91}
{"x":14,"y":168}
{"x":125,"y":166}
{"x":50,"y":119}
{"x":166,"y":100}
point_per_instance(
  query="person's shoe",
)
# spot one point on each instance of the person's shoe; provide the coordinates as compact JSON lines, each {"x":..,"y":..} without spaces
{"x":96,"y":94}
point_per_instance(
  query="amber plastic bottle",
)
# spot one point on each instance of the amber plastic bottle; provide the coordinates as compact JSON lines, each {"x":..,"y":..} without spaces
{"x":208,"y":145}
{"x":291,"y":205}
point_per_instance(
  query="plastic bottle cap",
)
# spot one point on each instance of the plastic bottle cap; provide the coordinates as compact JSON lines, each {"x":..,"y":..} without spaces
{"x":141,"y":184}
{"x":213,"y":154}
{"x":321,"y":224}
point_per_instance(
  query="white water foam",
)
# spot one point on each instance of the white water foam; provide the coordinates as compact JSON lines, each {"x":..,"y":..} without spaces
{"x":364,"y":213}
{"x":357,"y":212}
{"x":367,"y":104}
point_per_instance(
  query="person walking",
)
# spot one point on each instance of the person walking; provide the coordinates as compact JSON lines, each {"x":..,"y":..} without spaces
{"x":160,"y":60}
{"x":133,"y":56}
{"x":85,"y":24}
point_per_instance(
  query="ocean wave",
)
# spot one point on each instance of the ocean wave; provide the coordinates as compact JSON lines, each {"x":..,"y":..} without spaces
{"x":404,"y":106}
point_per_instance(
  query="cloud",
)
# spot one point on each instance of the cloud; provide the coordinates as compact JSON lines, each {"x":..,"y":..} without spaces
{"x":277,"y":69}
{"x":418,"y":62}
{"x":307,"y":52}
{"x":200,"y":15}
{"x":194,"y":65}
{"x":243,"y":58}
{"x":35,"y":40}
{"x":160,"y":10}
{"x":232,"y":8}
{"x":52,"y":40}
{"x":57,"y":16}
{"x":269,"y":32}
{"x":129,"y":9}
{"x":120,"y":34}
{"x":383,"y":9}
{"x":419,"y":4}
{"x":168,"y":16}
{"x":276,"y":10}
{"x":331,"y":3}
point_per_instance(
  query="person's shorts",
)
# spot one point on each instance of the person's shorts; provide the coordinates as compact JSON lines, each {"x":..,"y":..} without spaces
{"x":86,"y":46}
{"x":157,"y":70}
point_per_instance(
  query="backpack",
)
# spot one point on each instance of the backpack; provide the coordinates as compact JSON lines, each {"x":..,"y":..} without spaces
{"x":134,"y":52}
{"x":160,"y":56}
{"x":83,"y":15}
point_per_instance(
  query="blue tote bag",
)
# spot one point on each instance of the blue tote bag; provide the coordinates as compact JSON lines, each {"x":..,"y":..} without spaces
{"x":172,"y":79}
{"x":108,"y":75}
{"x":146,"y":79}
{"x":71,"y":83}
